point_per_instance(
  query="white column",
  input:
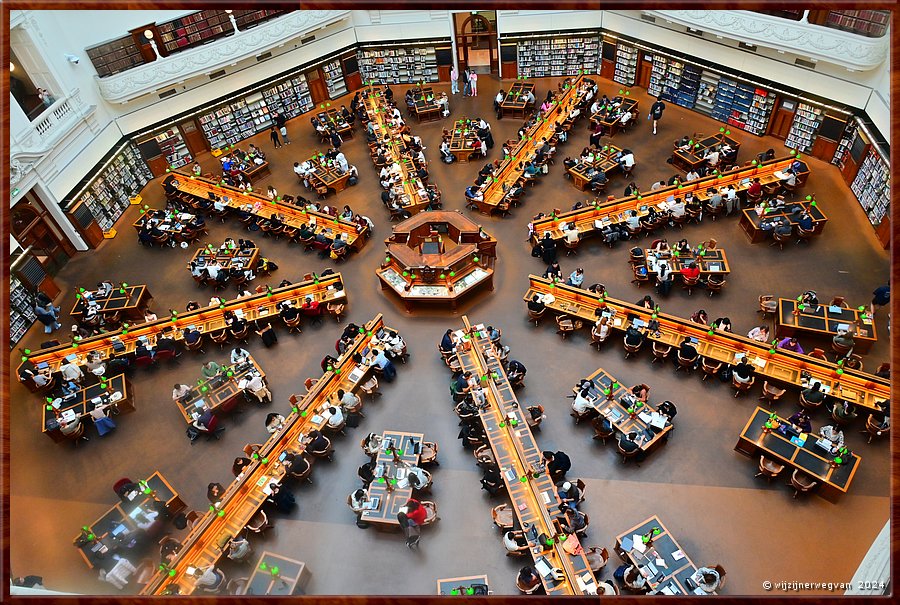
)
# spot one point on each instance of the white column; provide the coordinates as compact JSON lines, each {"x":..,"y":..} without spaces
{"x":875,"y":568}
{"x":453,"y":39}
{"x":65,"y":224}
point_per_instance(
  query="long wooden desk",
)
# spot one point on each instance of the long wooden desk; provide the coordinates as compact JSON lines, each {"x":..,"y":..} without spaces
{"x":759,"y":227}
{"x":245,"y":495}
{"x":227,"y":256}
{"x":611,"y":121}
{"x":513,"y":103}
{"x":215,"y":393}
{"x":824,"y":321}
{"x":81,"y":403}
{"x":114,"y":531}
{"x":511,"y":169}
{"x":797,"y":452}
{"x":671,"y":577}
{"x":784,"y":367}
{"x":713,"y":262}
{"x":277,"y":575}
{"x":327,"y":174}
{"x":168,"y":222}
{"x":391,"y":487}
{"x":535,"y":501}
{"x":615,"y":405}
{"x":413,"y":199}
{"x":129,"y":300}
{"x":592,"y":219}
{"x":261,"y":206}
{"x":605,"y":161}
{"x":205,"y":320}
{"x":690,"y":160}
{"x":460,"y":586}
{"x":462,"y":140}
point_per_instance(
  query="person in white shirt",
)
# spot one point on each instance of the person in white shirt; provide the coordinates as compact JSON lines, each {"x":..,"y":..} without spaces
{"x":572,"y":234}
{"x":731,"y":199}
{"x":712,"y":157}
{"x":483,"y":148}
{"x":759,"y":333}
{"x":677,"y":207}
{"x":691,"y":176}
{"x":180,"y":390}
{"x":627,"y":159}
{"x":213,"y":268}
{"x":257,"y":387}
{"x":633,"y":221}
{"x":625,"y":117}
{"x":239,"y":354}
{"x":595,"y":107}
{"x":341,"y":159}
{"x":299,"y":171}
{"x":337,"y":417}
{"x":71,"y":372}
{"x":348,"y":400}
{"x":530,"y":98}
{"x":582,"y":404}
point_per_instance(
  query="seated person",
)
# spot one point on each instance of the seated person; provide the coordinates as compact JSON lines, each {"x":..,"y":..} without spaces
{"x":358,"y":500}
{"x":661,"y":246}
{"x":641,"y":391}
{"x":759,"y":333}
{"x":743,"y":371}
{"x":528,"y":579}
{"x":515,"y":541}
{"x":633,"y":337}
{"x":536,"y":304}
{"x":667,"y":408}
{"x":723,"y":324}
{"x":834,"y":434}
{"x":274,"y":423}
{"x":181,"y":392}
{"x":687,"y":350}
{"x":709,"y":579}
{"x":789,"y":343}
{"x":317,"y":443}
{"x":800,"y":419}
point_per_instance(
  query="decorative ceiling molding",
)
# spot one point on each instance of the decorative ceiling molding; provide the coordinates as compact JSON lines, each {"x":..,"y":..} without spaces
{"x":167,"y":71}
{"x":804,"y":39}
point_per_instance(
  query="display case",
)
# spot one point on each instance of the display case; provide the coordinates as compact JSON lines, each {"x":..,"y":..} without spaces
{"x":807,"y":120}
{"x":334,"y":79}
{"x":872,"y":187}
{"x":560,"y":56}
{"x":626,"y":64}
{"x":398,"y":65}
{"x":21,"y":310}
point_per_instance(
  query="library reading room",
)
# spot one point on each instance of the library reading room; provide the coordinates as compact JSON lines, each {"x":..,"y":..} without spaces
{"x":604,"y":335}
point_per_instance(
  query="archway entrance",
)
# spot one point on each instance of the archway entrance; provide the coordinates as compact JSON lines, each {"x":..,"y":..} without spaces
{"x":476,"y":41}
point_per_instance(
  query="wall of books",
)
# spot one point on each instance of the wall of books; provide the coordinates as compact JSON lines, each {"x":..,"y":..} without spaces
{"x":174,"y":148}
{"x":108,"y":193}
{"x":848,"y":139}
{"x":115,"y":56}
{"x":540,"y":57}
{"x":807,"y":120}
{"x":244,"y":117}
{"x":398,"y":65}
{"x":626,"y":64}
{"x":334,"y":79}
{"x":743,"y":105}
{"x":21,"y":312}
{"x":872,"y":187}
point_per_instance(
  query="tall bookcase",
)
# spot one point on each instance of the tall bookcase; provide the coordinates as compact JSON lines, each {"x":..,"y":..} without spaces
{"x":848,"y":139}
{"x":872,"y":23}
{"x":626,"y":64}
{"x":706,"y":93}
{"x":872,"y":187}
{"x":540,"y":57}
{"x":657,"y":75}
{"x":21,"y":311}
{"x":244,"y":117}
{"x":742,"y":105}
{"x":807,"y":120}
{"x":760,"y":111}
{"x":174,"y":148}
{"x":107,"y":195}
{"x":398,"y":65}
{"x":688,"y":86}
{"x":193,"y":30}
{"x":334,"y":79}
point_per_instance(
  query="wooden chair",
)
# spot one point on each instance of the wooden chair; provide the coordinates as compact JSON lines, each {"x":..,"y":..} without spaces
{"x":661,"y":351}
{"x":293,"y":325}
{"x":237,"y":586}
{"x":597,"y":558}
{"x":525,"y":590}
{"x":370,"y":387}
{"x":429,"y":453}
{"x":803,"y":235}
{"x":840,"y":351}
{"x":873,"y":429}
{"x":714,"y":212}
{"x":431,"y":515}
{"x":689,"y":283}
{"x":809,"y":405}
{"x":193,"y":517}
{"x":742,"y":387}
{"x":769,"y":468}
{"x":801,"y":482}
{"x":709,"y":367}
{"x":687,"y":364}
{"x":771,"y":394}
{"x":536,"y":316}
{"x":566,"y":324}
{"x":258,"y":523}
{"x":596,"y":339}
{"x":626,"y":455}
{"x":715,"y":283}
{"x":220,"y":337}
{"x":502,"y":517}
{"x":336,"y":309}
{"x":694,"y":214}
{"x":197,"y":346}
{"x":571,"y":247}
{"x":767,"y":304}
{"x":636,"y":256}
{"x":631,"y":349}
{"x":780,"y":240}
{"x":640,"y":277}
{"x":600,"y":431}
{"x":818,"y":353}
{"x":484,"y":456}
{"x":241,"y":335}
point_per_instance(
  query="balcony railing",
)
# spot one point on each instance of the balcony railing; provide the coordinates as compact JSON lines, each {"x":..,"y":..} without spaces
{"x":806,"y":39}
{"x":166,"y":71}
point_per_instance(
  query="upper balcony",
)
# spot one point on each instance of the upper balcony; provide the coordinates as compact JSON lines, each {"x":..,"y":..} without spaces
{"x":166,"y":71}
{"x":809,"y":36}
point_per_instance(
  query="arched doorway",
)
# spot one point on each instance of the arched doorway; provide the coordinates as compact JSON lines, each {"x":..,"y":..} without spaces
{"x":476,"y":41}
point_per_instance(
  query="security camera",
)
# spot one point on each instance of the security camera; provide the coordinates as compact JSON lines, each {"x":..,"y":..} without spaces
{"x":72,"y":59}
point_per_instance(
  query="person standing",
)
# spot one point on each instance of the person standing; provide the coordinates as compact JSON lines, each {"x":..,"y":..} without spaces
{"x":467,"y":83}
{"x":282,"y":127}
{"x":473,"y":78}
{"x":656,"y":112}
{"x":274,"y":136}
{"x":454,"y":76}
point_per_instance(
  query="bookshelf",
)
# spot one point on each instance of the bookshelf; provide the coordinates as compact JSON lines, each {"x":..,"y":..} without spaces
{"x":760,"y":110}
{"x":688,"y":87}
{"x":871,"y":23}
{"x":115,"y":56}
{"x":21,"y":312}
{"x":563,"y":56}
{"x":706,"y":93}
{"x":334,"y":79}
{"x":872,"y":187}
{"x":398,"y":65}
{"x":742,"y":105}
{"x":807,"y":120}
{"x":249,"y":19}
{"x":626,"y":64}
{"x":289,"y":97}
{"x":848,"y":139}
{"x":174,"y":148}
{"x":193,"y":30}
{"x":657,"y":75}
{"x":259,"y":111}
{"x":107,"y":195}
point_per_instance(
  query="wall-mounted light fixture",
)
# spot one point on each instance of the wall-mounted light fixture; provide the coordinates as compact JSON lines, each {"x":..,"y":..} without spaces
{"x":149,"y":35}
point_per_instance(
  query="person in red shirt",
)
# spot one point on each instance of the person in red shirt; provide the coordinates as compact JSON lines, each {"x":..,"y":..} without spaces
{"x":755,"y":188}
{"x":692,"y":271}
{"x":415,"y":512}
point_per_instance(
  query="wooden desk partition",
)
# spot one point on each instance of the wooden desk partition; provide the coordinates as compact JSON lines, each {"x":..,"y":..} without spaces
{"x":531,"y":490}
{"x":823,"y":322}
{"x":277,"y":575}
{"x":391,"y":500}
{"x":513,"y":103}
{"x":511,"y":169}
{"x":604,"y":161}
{"x":261,"y":206}
{"x":208,"y":319}
{"x":130,"y":301}
{"x":798,"y":452}
{"x":592,"y":219}
{"x":82,"y":405}
{"x":245,"y":495}
{"x":783,"y":367}
{"x":669,"y":579}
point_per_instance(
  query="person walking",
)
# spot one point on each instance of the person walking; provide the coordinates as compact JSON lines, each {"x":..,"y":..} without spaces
{"x":274,"y":135}
{"x":454,"y":76}
{"x":656,"y":112}
{"x":473,"y":78}
{"x":282,"y":127}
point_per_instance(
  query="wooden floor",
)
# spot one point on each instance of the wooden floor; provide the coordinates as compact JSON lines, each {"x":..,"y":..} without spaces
{"x":700,"y":488}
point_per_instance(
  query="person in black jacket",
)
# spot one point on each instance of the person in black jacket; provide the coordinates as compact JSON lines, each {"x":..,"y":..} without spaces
{"x":558,"y":464}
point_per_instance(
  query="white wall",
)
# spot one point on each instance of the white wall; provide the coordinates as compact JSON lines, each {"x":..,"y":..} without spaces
{"x":532,"y":22}
{"x":86,"y":28}
{"x":391,"y":26}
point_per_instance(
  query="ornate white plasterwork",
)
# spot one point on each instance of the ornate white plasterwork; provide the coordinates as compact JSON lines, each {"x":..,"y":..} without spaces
{"x":17,"y":170}
{"x":804,"y":39}
{"x":130,"y":84}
